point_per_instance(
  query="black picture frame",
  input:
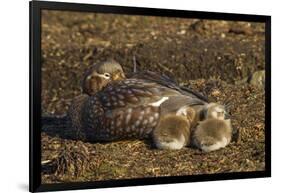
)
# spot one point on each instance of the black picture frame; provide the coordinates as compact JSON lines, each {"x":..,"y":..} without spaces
{"x":35,"y":94}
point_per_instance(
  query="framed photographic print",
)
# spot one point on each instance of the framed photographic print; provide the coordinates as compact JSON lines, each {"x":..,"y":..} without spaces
{"x":124,"y":96}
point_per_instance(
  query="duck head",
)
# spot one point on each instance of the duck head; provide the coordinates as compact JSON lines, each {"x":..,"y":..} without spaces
{"x":101,"y":74}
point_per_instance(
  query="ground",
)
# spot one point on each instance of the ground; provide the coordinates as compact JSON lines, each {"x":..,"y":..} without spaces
{"x":210,"y":56}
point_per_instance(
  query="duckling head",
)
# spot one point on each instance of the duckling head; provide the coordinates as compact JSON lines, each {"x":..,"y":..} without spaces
{"x":216,"y":111}
{"x":100,"y":74}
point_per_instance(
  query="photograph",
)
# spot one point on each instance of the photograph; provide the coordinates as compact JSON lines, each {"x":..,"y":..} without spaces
{"x":140,"y":96}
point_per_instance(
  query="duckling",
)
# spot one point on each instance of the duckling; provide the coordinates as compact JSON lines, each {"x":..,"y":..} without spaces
{"x":173,"y":129}
{"x":215,"y":131}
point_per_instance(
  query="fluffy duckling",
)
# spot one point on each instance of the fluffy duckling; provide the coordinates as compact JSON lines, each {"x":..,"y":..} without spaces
{"x":173,"y":129}
{"x":215,"y":131}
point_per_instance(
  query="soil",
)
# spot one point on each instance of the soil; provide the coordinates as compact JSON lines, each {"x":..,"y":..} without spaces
{"x":206,"y":55}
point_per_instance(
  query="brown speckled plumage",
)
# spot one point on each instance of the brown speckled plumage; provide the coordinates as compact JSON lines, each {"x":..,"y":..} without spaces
{"x":75,"y":115}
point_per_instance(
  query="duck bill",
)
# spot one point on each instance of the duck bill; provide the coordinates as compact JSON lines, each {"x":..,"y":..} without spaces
{"x":118,"y":76}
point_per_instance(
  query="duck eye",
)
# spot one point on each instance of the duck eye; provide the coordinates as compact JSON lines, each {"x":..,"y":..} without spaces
{"x":107,"y":75}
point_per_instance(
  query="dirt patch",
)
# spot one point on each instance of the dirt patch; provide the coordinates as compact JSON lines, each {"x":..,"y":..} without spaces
{"x":192,"y":51}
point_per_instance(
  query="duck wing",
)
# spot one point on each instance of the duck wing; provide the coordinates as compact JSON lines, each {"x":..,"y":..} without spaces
{"x":168,"y":82}
{"x":135,"y":92}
